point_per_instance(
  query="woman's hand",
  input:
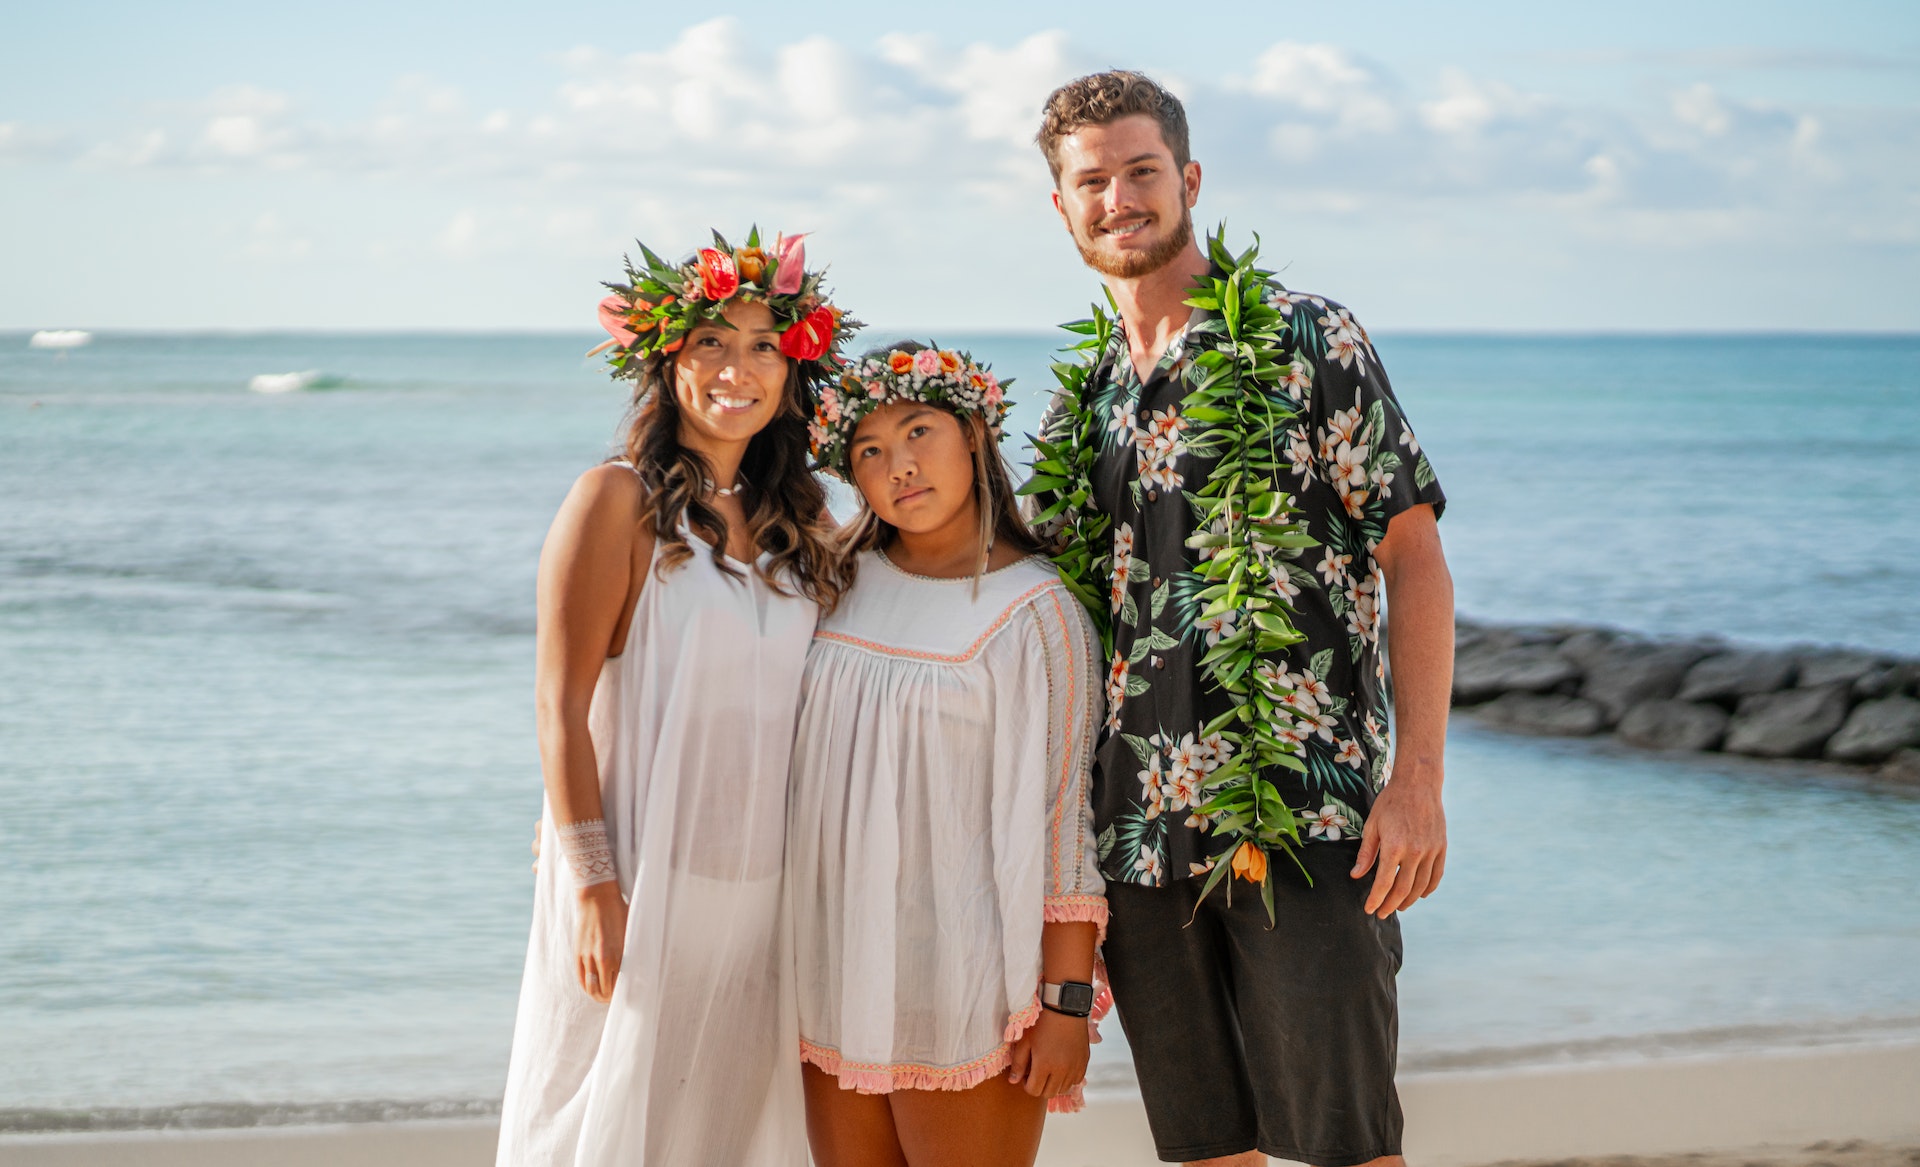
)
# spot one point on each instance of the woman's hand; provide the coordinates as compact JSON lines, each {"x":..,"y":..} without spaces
{"x":599,"y":939}
{"x":1051,"y":1056}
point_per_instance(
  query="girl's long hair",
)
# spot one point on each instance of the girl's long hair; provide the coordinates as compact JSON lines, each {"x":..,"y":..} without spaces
{"x":993,"y":496}
{"x":785,"y":504}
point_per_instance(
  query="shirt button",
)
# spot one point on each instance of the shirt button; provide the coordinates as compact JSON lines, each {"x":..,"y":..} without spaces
{"x":1156,"y":581}
{"x":1153,"y":496}
{"x":1159,"y":662}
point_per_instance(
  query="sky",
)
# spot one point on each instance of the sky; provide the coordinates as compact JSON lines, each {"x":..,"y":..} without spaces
{"x":1489,"y":166}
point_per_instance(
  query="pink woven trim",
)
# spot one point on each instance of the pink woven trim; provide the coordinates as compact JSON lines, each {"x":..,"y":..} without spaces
{"x":877,"y":1078}
{"x":1078,"y":910}
{"x":1066,"y":750}
{"x":973,"y":649}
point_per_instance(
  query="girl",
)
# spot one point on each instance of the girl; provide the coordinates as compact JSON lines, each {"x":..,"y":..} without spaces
{"x":940,"y":855}
{"x":678,"y":593}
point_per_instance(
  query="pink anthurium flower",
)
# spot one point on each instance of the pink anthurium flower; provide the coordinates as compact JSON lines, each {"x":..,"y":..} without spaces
{"x":792,"y":254}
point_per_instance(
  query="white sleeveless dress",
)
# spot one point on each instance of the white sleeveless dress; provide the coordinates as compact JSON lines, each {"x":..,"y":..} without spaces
{"x":693,"y":1064}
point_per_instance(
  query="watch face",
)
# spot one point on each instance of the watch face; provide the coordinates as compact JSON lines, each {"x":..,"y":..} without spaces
{"x":1076,"y":998}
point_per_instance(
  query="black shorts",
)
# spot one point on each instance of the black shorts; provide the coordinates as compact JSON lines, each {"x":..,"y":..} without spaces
{"x":1246,"y":1037}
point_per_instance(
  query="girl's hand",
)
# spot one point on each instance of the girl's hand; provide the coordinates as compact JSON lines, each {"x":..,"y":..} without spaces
{"x":599,"y":938}
{"x":1051,"y":1057}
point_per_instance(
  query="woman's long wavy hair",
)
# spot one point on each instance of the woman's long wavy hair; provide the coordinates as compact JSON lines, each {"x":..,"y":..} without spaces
{"x":993,"y":496}
{"x":785,"y":504}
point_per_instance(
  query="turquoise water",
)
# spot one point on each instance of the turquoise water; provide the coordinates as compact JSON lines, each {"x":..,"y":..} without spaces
{"x":267,"y":769}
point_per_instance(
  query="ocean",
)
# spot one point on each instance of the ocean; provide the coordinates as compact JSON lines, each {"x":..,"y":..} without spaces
{"x":267,"y":763}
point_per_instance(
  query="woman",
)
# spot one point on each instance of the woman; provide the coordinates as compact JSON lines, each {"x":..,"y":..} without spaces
{"x":678,"y":592}
{"x":941,"y":869}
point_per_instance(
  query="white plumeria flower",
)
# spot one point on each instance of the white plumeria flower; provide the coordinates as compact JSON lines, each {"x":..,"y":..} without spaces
{"x":1410,"y":442}
{"x":1329,"y":824}
{"x":1148,"y":865}
{"x":1333,"y":568}
{"x":1293,"y":735}
{"x":1304,"y":681}
{"x":1344,"y":425}
{"x":1347,"y":464}
{"x":1217,"y":626}
{"x":1300,"y":452}
{"x":1351,"y":754}
{"x":1122,"y":419}
{"x":1218,"y":750}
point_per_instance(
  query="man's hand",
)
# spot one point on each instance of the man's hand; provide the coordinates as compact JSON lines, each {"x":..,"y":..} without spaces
{"x":1051,"y":1056}
{"x":1407,"y":834}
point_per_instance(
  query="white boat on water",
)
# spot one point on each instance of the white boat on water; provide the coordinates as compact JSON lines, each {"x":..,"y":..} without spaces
{"x":60,"y":338}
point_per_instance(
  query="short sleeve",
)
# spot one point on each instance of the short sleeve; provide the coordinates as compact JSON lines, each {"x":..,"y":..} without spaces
{"x":1075,"y":889}
{"x":1359,"y":441}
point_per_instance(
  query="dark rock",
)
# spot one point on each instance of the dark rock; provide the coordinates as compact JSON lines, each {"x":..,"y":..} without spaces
{"x":1485,"y":672}
{"x":1889,"y":681}
{"x":1729,"y":676}
{"x":1836,"y":665}
{"x":1543,"y":714}
{"x":1663,"y":724}
{"x":1876,"y":729}
{"x":1793,"y":723}
{"x":1902,"y":767}
{"x":1585,"y":648}
{"x":1632,"y":672}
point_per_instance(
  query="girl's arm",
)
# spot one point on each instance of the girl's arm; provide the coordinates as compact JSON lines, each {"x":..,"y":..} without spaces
{"x":586,"y":576}
{"x":1051,"y":1058}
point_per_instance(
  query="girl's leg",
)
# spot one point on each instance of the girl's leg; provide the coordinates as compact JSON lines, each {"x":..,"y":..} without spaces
{"x":995,"y":1124}
{"x":846,"y":1128}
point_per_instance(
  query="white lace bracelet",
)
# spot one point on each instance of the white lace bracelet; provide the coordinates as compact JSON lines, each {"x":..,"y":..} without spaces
{"x":589,"y":856}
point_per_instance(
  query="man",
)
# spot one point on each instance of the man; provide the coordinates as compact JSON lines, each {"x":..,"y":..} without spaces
{"x":1252,"y":1035}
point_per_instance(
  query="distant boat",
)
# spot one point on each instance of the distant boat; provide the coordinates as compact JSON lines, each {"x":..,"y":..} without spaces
{"x":293,"y":382}
{"x":60,"y":338}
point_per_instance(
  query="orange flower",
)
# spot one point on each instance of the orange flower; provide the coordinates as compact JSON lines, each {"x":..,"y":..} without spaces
{"x":753,"y":263}
{"x":674,"y":346}
{"x":949,"y":362}
{"x":1250,"y":863}
{"x":900,"y":362}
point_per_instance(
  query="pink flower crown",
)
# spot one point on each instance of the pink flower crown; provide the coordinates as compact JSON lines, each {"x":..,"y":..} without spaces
{"x":652,"y":313}
{"x":936,"y":376}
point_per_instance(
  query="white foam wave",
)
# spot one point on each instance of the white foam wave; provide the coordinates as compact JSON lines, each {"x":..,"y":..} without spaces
{"x":285,"y":382}
{"x":60,"y":338}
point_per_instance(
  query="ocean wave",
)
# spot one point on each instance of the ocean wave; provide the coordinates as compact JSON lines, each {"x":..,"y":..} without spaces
{"x":295,"y":382}
{"x":232,"y":1115}
{"x":1718,"y":1041}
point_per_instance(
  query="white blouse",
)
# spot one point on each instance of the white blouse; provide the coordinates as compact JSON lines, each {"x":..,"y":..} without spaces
{"x":938,"y":816}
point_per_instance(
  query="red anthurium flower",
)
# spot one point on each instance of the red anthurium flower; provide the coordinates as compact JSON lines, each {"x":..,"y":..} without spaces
{"x":719,"y":277}
{"x":809,"y":337}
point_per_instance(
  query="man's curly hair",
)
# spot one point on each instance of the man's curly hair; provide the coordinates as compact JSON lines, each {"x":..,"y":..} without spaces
{"x":1100,"y":99}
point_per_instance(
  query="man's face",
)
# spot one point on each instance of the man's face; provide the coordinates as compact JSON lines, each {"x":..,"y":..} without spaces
{"x":1126,"y":204}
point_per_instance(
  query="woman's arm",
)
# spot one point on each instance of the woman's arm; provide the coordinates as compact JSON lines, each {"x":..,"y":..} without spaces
{"x":586,"y":577}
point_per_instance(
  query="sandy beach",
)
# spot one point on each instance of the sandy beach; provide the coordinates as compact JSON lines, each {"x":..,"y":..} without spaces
{"x":1855,"y":1107}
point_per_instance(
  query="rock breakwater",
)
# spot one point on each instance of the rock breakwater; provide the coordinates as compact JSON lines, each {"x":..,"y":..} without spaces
{"x":1839,"y":704}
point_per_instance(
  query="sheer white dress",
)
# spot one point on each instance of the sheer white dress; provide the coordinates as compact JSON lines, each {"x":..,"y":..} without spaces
{"x":692,"y":1064}
{"x":939,"y":816}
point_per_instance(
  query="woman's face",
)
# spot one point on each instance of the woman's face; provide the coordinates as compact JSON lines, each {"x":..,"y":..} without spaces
{"x":914,"y":465}
{"x":730,"y":382}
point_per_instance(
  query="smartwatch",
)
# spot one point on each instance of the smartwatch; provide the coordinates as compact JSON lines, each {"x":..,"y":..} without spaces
{"x":1073,"y":998}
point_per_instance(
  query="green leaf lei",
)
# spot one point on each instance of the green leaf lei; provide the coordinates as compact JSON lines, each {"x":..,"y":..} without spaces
{"x":1243,"y":519}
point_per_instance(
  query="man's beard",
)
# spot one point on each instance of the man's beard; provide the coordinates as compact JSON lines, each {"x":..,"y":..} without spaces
{"x":1131,"y":265}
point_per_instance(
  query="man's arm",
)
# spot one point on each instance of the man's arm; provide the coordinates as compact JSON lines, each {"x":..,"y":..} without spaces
{"x":1407,"y":831}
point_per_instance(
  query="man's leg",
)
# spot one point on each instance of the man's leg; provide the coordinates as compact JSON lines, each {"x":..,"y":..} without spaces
{"x":1174,"y":998}
{"x":1318,"y":1015}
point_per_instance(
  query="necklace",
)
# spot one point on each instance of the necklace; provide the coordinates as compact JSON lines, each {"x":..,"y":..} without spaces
{"x":724,"y":491}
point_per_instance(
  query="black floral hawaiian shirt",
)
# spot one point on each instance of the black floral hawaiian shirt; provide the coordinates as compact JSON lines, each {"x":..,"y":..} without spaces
{"x":1355,"y":464}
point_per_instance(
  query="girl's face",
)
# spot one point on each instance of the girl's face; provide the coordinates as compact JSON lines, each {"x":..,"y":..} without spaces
{"x":913,"y":464}
{"x":730,"y":382}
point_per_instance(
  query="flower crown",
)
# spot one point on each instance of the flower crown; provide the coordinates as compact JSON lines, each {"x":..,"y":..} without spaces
{"x":652,"y":313}
{"x":935,"y":376}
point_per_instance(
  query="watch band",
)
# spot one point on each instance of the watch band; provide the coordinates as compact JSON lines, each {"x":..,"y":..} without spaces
{"x":1073,"y":998}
